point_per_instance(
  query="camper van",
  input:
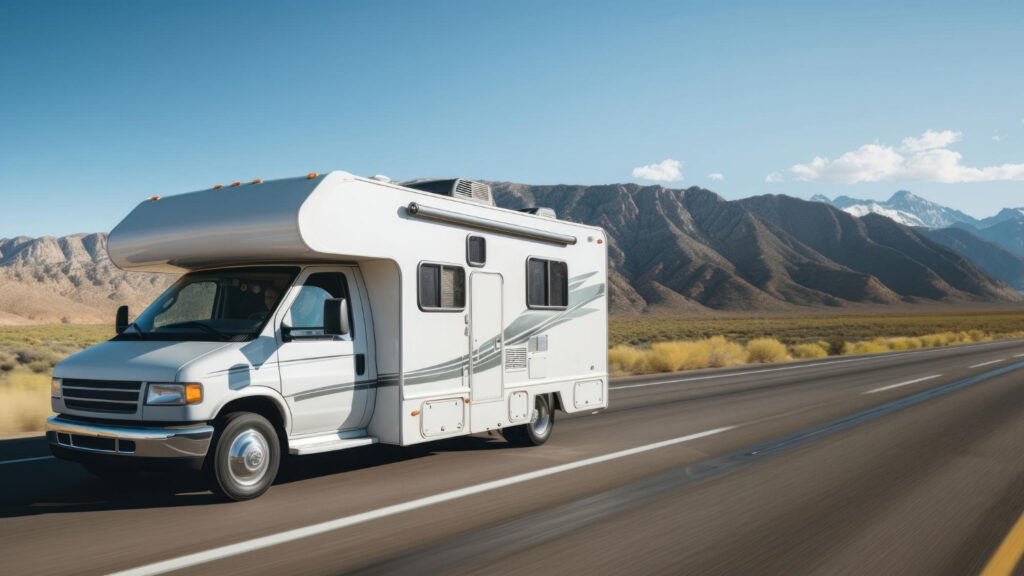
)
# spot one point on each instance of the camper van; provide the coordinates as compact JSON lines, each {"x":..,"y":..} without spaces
{"x":331,"y":311}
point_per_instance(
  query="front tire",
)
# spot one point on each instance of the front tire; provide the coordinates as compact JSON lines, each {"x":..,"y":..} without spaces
{"x":245,"y":456}
{"x":538,"y":430}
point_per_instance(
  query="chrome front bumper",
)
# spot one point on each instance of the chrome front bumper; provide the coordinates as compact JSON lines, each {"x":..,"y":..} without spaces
{"x":190,"y":441}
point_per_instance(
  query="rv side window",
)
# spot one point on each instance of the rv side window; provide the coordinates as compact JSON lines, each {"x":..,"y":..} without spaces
{"x":547,"y":284}
{"x":442,"y":288}
{"x":306,"y":313}
{"x":476,"y":251}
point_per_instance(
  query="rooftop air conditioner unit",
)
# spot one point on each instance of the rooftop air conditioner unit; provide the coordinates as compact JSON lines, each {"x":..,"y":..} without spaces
{"x":457,"y":188}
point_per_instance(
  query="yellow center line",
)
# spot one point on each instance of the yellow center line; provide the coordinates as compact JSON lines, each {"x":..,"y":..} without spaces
{"x":1009,"y":553}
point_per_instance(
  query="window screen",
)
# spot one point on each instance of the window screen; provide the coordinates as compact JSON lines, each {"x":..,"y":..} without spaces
{"x":476,"y":251}
{"x":442,"y":287}
{"x":547,"y":284}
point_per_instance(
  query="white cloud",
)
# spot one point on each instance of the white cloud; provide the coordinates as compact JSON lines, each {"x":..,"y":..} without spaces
{"x":716,"y":176}
{"x":775,"y":177}
{"x":929,"y":140}
{"x":924,"y":159}
{"x":997,"y":138}
{"x":668,"y":170}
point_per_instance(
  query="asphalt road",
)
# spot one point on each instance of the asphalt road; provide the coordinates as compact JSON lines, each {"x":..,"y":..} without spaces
{"x":908,"y":463}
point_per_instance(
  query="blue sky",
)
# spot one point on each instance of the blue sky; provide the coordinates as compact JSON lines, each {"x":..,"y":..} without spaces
{"x":106,"y":103}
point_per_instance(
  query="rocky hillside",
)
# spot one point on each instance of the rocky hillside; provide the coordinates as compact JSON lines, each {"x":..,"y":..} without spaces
{"x":67,"y":279}
{"x":677,"y":251}
{"x":992,"y":257}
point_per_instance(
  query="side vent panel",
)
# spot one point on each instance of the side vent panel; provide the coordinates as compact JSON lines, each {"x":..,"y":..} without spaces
{"x":515,"y":358}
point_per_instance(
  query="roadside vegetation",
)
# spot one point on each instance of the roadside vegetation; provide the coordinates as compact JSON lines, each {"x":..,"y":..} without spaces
{"x":639,"y":346}
{"x":27,"y":357}
{"x":719,"y":352}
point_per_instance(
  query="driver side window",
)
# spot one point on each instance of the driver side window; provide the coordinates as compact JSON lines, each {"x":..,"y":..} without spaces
{"x":306,"y":312}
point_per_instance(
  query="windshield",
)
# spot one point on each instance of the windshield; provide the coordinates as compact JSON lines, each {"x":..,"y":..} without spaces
{"x":214,"y":305}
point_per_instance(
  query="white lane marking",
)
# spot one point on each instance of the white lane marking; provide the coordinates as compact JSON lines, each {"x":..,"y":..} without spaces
{"x":887,"y":356}
{"x":344,"y":522}
{"x":20,"y":460}
{"x":1019,"y":356}
{"x":907,"y":383}
{"x":988,"y":363}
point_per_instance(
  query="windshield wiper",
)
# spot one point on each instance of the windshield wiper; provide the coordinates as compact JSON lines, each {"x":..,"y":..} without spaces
{"x":207,"y":327}
{"x":138,"y":331}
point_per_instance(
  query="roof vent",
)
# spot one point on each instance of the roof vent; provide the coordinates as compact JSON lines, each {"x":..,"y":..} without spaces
{"x":457,"y":188}
{"x":540,"y":211}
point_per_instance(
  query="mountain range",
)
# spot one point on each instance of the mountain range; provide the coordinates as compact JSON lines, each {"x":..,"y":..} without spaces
{"x":686,"y":250}
{"x":670,"y":250}
{"x":68,"y":279}
{"x":908,"y":209}
{"x":996,"y":243}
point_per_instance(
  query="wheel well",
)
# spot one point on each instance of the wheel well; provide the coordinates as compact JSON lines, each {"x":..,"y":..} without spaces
{"x":556,"y":401}
{"x":264,"y":407}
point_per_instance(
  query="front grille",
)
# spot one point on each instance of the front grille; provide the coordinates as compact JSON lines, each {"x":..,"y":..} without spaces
{"x":101,"y":395}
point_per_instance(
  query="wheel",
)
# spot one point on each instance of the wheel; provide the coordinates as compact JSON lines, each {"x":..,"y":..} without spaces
{"x":538,"y":430}
{"x":244,"y":456}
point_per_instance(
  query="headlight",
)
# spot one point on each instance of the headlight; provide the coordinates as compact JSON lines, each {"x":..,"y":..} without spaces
{"x":55,"y":387}
{"x":174,"y":394}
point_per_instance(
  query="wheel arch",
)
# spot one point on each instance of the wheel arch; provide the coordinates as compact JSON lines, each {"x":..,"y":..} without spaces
{"x":266,"y":403}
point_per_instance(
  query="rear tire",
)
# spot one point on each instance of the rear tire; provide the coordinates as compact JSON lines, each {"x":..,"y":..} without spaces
{"x":244,"y":456}
{"x":538,"y":430}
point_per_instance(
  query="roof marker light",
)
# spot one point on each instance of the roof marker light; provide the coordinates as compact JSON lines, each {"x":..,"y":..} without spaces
{"x":235,"y":183}
{"x":257,"y":181}
{"x":218,"y":186}
{"x":154,"y":198}
{"x":311,"y":175}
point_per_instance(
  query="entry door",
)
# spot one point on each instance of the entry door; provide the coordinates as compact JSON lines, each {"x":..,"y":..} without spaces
{"x":319,"y":376}
{"x":485,"y":344}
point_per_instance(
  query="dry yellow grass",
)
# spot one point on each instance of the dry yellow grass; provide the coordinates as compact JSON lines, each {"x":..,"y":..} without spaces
{"x":808,"y":351}
{"x":766,"y":350}
{"x":718,"y":352}
{"x":24,"y":402}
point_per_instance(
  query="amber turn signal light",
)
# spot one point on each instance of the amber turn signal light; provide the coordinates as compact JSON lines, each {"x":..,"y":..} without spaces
{"x":193,"y":393}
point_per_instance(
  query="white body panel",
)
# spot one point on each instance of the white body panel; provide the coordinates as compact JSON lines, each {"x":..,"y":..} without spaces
{"x":479,"y":360}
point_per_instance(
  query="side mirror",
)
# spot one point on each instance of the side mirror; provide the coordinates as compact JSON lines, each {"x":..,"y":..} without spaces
{"x":336,"y":317}
{"x":121,"y":324}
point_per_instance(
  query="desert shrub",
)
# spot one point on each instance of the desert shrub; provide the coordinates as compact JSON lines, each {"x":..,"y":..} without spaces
{"x":764,"y":350}
{"x":624,"y":359}
{"x":806,"y":351}
{"x":869,"y":347}
{"x":722,"y":353}
{"x":7,"y":362}
{"x":836,"y":347}
{"x":38,"y":359}
{"x":669,"y":356}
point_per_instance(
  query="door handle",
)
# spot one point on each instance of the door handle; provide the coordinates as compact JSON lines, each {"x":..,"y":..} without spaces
{"x":360,"y":364}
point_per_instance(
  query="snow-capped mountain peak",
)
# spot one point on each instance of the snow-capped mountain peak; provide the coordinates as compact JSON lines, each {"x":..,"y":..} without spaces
{"x":905,"y":208}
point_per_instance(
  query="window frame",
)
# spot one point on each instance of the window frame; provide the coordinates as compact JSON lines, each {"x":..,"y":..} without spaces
{"x":547,"y":283}
{"x":345,"y":288}
{"x":441,"y":266}
{"x":469,"y":261}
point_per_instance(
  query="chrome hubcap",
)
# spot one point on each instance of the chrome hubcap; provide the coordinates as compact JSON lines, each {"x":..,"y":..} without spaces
{"x":541,"y":419}
{"x":248,"y":457}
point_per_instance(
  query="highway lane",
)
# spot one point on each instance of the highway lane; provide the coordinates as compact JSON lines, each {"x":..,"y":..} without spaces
{"x":930,"y":488}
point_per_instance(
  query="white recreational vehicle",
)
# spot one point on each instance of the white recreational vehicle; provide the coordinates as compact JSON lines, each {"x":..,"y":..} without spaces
{"x":333,"y":311}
